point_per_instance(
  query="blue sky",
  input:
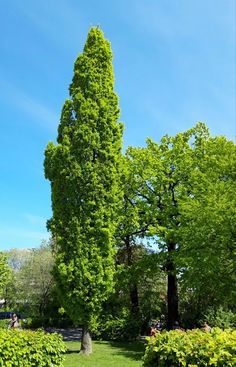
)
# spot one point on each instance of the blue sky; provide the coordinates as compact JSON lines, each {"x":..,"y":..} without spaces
{"x":174,"y":63}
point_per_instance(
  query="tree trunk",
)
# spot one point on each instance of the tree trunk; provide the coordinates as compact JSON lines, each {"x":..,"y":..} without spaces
{"x":86,"y":342}
{"x":133,"y":292}
{"x":134,"y":299}
{"x":172,"y":290}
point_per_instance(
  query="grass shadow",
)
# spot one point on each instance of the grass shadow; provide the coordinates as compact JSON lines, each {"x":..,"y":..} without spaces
{"x":133,"y":350}
{"x":72,"y":351}
{"x":73,"y":347}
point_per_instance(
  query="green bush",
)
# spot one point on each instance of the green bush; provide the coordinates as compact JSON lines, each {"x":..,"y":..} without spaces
{"x":25,"y":348}
{"x":119,"y":328}
{"x":192,"y":348}
{"x":4,"y":324}
{"x":220,"y":318}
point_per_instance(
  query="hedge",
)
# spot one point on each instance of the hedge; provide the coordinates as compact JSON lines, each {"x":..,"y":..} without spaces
{"x":25,"y":348}
{"x":193,"y":348}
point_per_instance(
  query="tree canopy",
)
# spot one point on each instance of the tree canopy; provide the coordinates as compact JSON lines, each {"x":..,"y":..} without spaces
{"x":184,"y":185}
{"x":84,"y":170}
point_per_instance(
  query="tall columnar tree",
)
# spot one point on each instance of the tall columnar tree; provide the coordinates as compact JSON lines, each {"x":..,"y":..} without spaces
{"x":84,"y":170}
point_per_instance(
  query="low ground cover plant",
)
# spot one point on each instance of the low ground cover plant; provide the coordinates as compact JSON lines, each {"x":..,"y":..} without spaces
{"x":192,"y":348}
{"x":25,"y":348}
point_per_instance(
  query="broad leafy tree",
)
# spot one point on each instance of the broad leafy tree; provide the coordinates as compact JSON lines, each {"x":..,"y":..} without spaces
{"x":208,"y":247}
{"x":177,"y":183}
{"x":134,"y":256}
{"x":35,"y":281}
{"x":160,"y":176}
{"x":131,"y":228}
{"x":83,"y":168}
{"x":30,"y":288}
{"x":16,"y":259}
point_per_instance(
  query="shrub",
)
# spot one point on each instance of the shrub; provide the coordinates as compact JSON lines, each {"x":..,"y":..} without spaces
{"x":25,"y":348}
{"x":4,"y":324}
{"x":123,"y":327}
{"x":178,"y":348}
{"x":220,"y":318}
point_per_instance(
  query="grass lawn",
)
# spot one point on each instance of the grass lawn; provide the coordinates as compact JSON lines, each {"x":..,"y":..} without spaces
{"x":112,"y":354}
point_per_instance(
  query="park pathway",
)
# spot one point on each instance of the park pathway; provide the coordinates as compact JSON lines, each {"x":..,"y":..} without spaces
{"x":71,"y":334}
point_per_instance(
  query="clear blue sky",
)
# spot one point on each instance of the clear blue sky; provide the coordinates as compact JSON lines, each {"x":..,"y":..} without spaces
{"x":174,"y":64}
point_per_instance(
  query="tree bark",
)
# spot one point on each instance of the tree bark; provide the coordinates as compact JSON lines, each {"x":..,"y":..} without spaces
{"x":172,"y":290}
{"x":86,"y":342}
{"x":134,"y":299}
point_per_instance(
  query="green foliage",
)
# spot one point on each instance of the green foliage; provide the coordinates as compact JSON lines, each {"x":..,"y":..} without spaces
{"x":84,"y":170}
{"x":16,"y":258}
{"x":140,"y":284}
{"x":192,"y":348}
{"x":31,"y":288}
{"x":120,"y":327}
{"x":4,"y":324}
{"x":208,"y":224}
{"x":221,"y":318}
{"x":185,"y":187}
{"x":36,"y":282}
{"x":27,"y":348}
{"x":117,"y":321}
{"x":152,"y":287}
{"x":160,"y":177}
{"x":4,"y":272}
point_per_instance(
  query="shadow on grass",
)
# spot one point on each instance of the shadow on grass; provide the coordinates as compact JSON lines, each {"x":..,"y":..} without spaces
{"x":73,"y":347}
{"x":133,"y":350}
{"x":72,"y":351}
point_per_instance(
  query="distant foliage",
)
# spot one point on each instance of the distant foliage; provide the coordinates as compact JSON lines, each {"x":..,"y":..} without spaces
{"x":31,"y":289}
{"x":220,"y":318}
{"x":123,"y":327}
{"x":27,"y":348}
{"x":4,"y":271}
{"x":192,"y":348}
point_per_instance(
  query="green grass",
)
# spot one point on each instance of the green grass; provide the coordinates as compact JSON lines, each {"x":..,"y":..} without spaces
{"x":112,"y":354}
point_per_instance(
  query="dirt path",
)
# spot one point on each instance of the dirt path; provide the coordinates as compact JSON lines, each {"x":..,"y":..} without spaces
{"x":71,"y":334}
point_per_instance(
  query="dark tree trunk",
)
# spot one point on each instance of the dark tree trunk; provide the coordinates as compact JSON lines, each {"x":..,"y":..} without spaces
{"x":134,"y":300}
{"x":172,"y":290}
{"x":86,"y":341}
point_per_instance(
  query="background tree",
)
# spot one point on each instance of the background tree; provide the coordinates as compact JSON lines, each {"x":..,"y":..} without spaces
{"x":208,"y":248}
{"x":118,"y":320}
{"x":130,"y":231}
{"x":15,"y":260}
{"x":171,"y":181}
{"x":5,"y":273}
{"x":30,"y":288}
{"x":138,"y":271}
{"x":84,"y":172}
{"x":160,"y":180}
{"x":35,"y":283}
